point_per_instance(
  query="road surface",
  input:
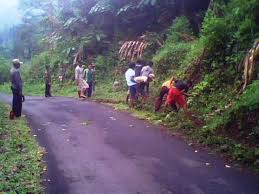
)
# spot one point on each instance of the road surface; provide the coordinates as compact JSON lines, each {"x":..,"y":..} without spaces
{"x":93,"y":149}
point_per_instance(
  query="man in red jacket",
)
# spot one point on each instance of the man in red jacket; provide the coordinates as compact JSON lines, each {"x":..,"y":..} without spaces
{"x":176,"y":96}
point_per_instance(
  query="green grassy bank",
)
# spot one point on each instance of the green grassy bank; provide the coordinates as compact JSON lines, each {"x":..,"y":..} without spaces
{"x":21,"y":164}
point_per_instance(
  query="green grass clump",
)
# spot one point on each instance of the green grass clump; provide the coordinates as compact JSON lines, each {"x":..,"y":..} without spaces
{"x":105,"y":92}
{"x":21,"y":157}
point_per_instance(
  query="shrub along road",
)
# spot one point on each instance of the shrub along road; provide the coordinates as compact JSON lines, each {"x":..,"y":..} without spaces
{"x":94,"y":149}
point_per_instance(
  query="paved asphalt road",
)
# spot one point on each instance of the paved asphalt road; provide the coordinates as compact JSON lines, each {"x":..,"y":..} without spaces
{"x":93,"y":149}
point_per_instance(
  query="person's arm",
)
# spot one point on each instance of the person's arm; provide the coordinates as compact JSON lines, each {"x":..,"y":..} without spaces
{"x":190,"y":115}
{"x":132,"y":79}
{"x":152,"y":70}
{"x":132,"y":76}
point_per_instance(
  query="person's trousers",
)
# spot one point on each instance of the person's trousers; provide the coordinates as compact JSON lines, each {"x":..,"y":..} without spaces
{"x":90,"y":89}
{"x":17,"y":104}
{"x":164,"y":90}
{"x":47,"y":90}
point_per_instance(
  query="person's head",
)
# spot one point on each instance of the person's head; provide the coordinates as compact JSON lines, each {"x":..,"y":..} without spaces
{"x":181,"y":86}
{"x":141,"y":62}
{"x":150,"y":63}
{"x":79,"y":64}
{"x":47,"y":67}
{"x":131,"y":65}
{"x":17,"y":63}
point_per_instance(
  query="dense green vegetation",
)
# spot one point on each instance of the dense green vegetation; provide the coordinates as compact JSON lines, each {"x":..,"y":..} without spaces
{"x":21,"y":157}
{"x":202,"y":41}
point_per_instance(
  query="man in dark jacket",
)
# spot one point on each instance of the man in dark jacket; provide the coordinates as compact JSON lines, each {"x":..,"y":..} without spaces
{"x":48,"y":82}
{"x":17,"y":86}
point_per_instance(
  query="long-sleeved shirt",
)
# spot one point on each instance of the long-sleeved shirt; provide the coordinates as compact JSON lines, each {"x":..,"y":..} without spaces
{"x":16,"y":80}
{"x":146,"y":71}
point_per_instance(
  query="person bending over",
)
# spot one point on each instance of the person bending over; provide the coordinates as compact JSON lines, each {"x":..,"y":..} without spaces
{"x":177,"y":96}
{"x":164,"y":91}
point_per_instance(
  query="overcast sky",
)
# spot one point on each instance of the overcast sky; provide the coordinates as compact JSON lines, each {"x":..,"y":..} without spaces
{"x":9,"y":14}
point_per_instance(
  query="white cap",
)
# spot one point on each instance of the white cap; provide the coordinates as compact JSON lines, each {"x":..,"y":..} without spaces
{"x":17,"y":61}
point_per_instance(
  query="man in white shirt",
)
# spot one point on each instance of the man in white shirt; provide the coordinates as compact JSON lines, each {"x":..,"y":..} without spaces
{"x":81,"y":83}
{"x":129,"y":75}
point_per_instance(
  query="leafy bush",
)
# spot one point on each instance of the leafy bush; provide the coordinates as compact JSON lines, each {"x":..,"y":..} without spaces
{"x":215,"y":33}
{"x":105,"y":64}
{"x":242,"y":19}
{"x":181,"y":26}
{"x":35,"y":70}
{"x":250,"y":98}
{"x":4,"y":70}
{"x":170,"y":57}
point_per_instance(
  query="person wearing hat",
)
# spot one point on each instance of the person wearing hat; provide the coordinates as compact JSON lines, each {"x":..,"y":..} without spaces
{"x":17,"y":89}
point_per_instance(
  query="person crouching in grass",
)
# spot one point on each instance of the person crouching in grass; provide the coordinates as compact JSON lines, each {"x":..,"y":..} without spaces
{"x":164,"y":91}
{"x":177,"y":96}
{"x":129,"y":75}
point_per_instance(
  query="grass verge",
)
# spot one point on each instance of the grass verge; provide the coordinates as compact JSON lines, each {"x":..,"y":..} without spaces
{"x":220,"y":133}
{"x":212,"y":135}
{"x":21,"y":164}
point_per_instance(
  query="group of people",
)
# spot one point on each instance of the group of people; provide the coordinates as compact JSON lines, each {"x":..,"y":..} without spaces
{"x":85,"y":80}
{"x":138,"y":76}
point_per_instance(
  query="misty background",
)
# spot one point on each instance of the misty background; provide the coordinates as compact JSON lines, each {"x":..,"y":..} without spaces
{"x":9,"y":13}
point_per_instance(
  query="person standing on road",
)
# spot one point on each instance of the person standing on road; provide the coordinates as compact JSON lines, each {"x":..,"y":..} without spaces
{"x":89,"y":75}
{"x":17,"y":89}
{"x":129,"y":75}
{"x":80,"y":82}
{"x":48,"y":82}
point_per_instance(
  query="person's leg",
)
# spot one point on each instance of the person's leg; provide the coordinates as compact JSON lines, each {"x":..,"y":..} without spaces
{"x":141,"y":90}
{"x":19,"y":106}
{"x":90,"y":89}
{"x":93,"y":87}
{"x":147,"y":87}
{"x":46,"y":90}
{"x":164,"y":90}
{"x":159,"y":101}
{"x":82,"y":93}
{"x":49,"y":90}
{"x":174,"y":107}
{"x":14,"y":103}
{"x":133,"y":97}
